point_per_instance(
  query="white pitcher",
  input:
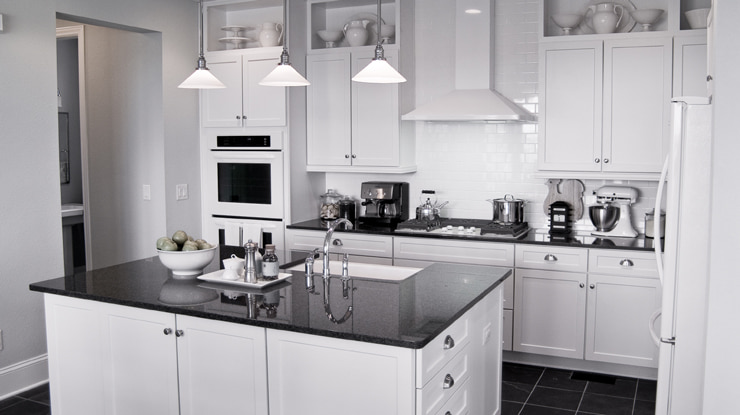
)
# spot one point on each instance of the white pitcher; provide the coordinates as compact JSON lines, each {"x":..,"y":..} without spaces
{"x":271,"y":34}
{"x":356,"y":32}
{"x":605,"y":17}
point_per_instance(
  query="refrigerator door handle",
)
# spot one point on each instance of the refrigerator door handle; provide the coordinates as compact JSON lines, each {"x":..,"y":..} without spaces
{"x":656,"y":225}
{"x":651,"y":322}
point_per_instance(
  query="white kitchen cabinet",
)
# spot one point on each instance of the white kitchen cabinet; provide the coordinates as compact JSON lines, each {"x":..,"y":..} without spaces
{"x":549,"y":312}
{"x":353,"y":126}
{"x":624,"y":291}
{"x":141,"y":361}
{"x":243,"y":103}
{"x":690,"y":65}
{"x":365,"y":248}
{"x":604,"y":105}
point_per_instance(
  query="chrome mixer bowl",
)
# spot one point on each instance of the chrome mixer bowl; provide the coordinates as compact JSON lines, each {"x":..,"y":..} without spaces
{"x":604,"y":217}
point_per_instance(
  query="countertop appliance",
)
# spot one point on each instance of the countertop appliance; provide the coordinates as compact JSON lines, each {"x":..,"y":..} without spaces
{"x":683,"y":266}
{"x":384,"y":204}
{"x":474,"y":228}
{"x":624,"y":197}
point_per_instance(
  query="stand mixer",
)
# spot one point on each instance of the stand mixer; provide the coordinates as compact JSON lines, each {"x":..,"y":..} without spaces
{"x":611,"y":215}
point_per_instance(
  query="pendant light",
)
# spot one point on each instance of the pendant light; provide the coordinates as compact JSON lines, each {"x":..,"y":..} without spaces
{"x":379,"y":71}
{"x":202,"y":78}
{"x":284,"y":74}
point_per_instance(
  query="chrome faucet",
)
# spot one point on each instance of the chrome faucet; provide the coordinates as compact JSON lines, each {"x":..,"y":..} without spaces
{"x":327,"y":241}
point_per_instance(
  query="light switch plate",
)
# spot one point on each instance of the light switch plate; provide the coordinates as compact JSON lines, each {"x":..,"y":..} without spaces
{"x":181,"y":191}
{"x":147,"y":192}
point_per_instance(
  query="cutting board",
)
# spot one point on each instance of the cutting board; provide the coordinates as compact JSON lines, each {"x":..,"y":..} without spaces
{"x":568,"y":191}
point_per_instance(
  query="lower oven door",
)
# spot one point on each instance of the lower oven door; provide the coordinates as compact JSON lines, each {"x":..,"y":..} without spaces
{"x":244,"y":184}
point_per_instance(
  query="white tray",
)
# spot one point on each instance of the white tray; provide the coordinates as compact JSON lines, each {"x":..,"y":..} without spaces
{"x":217,"y":276}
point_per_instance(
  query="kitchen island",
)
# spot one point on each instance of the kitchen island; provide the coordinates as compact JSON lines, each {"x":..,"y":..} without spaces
{"x":131,"y":339}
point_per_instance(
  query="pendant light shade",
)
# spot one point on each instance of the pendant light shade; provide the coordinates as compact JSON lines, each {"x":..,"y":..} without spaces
{"x":202,"y":78}
{"x":379,"y":71}
{"x":284,"y":74}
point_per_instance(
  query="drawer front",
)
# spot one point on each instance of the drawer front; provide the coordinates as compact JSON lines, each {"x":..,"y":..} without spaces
{"x":444,"y":383}
{"x":459,"y":403}
{"x":551,"y":258}
{"x":353,"y":244}
{"x":620,"y":262}
{"x":445,"y":250}
{"x":442,"y":349}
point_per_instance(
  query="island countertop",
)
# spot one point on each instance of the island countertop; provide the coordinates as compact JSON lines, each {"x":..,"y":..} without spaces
{"x":407,"y":313}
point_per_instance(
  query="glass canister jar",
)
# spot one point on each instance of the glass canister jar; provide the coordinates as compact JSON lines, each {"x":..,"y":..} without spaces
{"x":650,"y":224}
{"x":329,"y":209}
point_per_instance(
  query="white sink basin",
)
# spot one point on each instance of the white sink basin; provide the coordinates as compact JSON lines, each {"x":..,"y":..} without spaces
{"x":361,"y":270}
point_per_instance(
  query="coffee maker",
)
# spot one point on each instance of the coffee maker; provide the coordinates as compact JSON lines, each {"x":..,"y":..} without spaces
{"x":384,"y":205}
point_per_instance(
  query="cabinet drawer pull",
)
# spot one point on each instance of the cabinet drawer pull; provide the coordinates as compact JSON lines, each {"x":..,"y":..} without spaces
{"x":449,"y":382}
{"x":179,"y":333}
{"x":550,"y":258}
{"x":167,"y":331}
{"x":449,"y":342}
{"x":626,"y":263}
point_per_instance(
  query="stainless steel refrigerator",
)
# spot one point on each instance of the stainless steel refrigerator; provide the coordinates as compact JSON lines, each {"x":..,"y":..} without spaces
{"x":683,"y":262}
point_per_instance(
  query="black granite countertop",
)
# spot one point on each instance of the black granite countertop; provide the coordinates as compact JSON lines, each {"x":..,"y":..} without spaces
{"x":407,"y":313}
{"x":534,"y":236}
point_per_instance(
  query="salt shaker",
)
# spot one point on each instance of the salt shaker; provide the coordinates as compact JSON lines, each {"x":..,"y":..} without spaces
{"x":250,"y":262}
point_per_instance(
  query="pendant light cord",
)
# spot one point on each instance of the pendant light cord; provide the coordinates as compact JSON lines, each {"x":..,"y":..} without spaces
{"x":201,"y":56}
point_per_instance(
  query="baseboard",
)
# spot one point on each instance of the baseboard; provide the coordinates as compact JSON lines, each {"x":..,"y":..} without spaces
{"x":581,"y":365}
{"x":24,"y":375}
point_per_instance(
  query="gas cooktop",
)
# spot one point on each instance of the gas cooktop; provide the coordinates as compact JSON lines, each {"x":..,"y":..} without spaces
{"x":474,"y":228}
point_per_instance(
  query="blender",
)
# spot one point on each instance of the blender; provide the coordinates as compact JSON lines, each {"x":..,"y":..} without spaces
{"x":611,"y":215}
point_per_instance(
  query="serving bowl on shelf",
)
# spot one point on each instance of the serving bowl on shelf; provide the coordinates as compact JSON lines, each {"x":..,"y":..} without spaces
{"x":187,"y":264}
{"x":646,"y":17}
{"x":330,"y":37}
{"x":697,"y":18}
{"x":566,"y":21}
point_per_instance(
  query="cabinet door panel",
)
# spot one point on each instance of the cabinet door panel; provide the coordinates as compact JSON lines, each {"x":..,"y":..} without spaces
{"x":571,"y":76}
{"x":637,"y":91}
{"x":328,"y":102}
{"x":618,"y":312}
{"x":549,"y":312}
{"x":374,"y":118}
{"x":690,"y":66}
{"x":141,"y":361}
{"x":235,"y":353}
{"x":264,"y":105}
{"x":223,"y":107}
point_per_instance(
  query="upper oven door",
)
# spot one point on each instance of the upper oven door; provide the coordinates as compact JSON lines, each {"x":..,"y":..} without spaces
{"x":247,"y":184}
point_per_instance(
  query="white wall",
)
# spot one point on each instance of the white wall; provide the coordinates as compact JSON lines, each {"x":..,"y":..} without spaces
{"x":467,"y":163}
{"x":723,"y":337}
{"x":30,"y":222}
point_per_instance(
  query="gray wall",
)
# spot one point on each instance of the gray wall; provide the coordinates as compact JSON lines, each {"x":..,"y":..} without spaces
{"x":30,"y":223}
{"x":69,"y":86}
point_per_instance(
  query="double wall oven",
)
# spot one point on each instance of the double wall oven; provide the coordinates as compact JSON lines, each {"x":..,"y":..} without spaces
{"x":243,"y":187}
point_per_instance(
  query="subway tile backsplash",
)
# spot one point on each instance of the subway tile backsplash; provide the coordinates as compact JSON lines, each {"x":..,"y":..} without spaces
{"x":469,"y":163}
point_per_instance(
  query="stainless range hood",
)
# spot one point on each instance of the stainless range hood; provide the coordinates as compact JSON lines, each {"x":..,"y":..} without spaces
{"x":473,"y":98}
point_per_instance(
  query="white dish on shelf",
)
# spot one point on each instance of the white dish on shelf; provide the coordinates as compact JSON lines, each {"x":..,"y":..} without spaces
{"x":567,"y":21}
{"x":236,"y":40}
{"x":697,"y":18}
{"x":372,"y":27}
{"x":646,"y":17}
{"x":625,"y":25}
{"x":217,"y":277}
{"x":235,"y":30}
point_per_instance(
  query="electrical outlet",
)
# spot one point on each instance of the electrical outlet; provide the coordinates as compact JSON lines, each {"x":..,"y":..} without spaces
{"x":181,"y":191}
{"x":147,"y":192}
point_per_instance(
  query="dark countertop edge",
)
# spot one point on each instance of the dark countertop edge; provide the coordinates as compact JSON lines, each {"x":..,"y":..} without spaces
{"x":410,"y":344}
{"x":311,"y":225}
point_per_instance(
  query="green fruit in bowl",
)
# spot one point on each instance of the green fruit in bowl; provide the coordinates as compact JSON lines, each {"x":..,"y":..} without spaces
{"x":169,"y":245}
{"x":180,"y":237}
{"x":202,"y":244}
{"x":161,"y":241}
{"x":189,"y":246}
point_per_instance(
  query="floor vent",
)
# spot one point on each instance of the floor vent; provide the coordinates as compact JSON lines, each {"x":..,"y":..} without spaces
{"x":593,"y":377}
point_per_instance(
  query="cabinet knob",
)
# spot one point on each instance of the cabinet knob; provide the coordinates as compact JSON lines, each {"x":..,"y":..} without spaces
{"x":581,"y":285}
{"x":346,"y":156}
{"x":179,"y":333}
{"x":449,"y":342}
{"x":626,"y":262}
{"x":167,"y":331}
{"x":550,"y":258}
{"x":354,"y":156}
{"x":592,"y":286}
{"x":448,"y":413}
{"x":597,"y":160}
{"x":709,"y":78}
{"x":238,"y":117}
{"x":606,"y":161}
{"x":449,"y":382}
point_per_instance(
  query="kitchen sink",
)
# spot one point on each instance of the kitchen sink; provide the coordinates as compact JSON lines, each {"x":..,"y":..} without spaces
{"x":362,"y":270}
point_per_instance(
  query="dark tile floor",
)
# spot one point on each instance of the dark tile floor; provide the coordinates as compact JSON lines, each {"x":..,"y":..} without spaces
{"x":30,"y":402}
{"x":526,"y":390}
{"x":532,"y":390}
